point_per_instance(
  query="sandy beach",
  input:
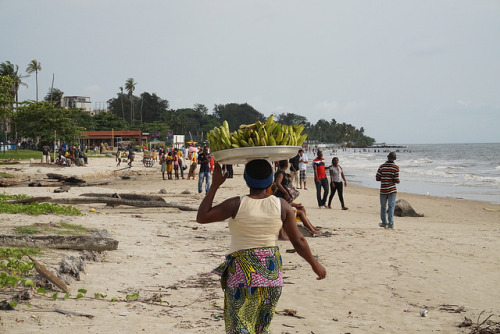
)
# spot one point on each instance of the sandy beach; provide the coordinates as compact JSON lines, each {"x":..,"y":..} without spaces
{"x":446,"y":262}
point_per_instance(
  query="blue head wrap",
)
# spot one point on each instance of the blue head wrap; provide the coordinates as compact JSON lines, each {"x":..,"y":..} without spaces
{"x":258,"y":183}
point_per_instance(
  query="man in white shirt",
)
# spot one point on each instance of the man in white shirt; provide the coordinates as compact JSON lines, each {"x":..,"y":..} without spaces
{"x":303,"y":161}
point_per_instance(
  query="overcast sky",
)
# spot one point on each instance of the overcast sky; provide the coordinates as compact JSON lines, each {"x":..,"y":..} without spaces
{"x":419,"y":71}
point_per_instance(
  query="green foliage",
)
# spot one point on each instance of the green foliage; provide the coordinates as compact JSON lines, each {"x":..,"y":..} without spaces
{"x":6,"y":100}
{"x":44,"y":120}
{"x":133,"y":296}
{"x":14,"y":268}
{"x":236,"y":114}
{"x":35,"y":208}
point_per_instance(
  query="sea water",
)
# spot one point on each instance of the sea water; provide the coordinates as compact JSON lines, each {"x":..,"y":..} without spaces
{"x":468,"y":171}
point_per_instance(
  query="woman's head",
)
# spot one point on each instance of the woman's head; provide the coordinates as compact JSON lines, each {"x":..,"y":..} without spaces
{"x":335,"y":161}
{"x":283,"y":164}
{"x":258,"y":174}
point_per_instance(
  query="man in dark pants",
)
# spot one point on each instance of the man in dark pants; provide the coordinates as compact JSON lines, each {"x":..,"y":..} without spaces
{"x":204,"y":162}
{"x":320,"y":179}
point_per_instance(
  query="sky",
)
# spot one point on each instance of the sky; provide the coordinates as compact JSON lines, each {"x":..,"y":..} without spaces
{"x":408,"y":72}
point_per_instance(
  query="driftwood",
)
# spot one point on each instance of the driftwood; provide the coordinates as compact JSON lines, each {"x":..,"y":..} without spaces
{"x":106,"y":200}
{"x":78,"y":242}
{"x":9,"y":162}
{"x":8,"y":182}
{"x":29,"y":200}
{"x":130,"y":197}
{"x":45,"y":184}
{"x":66,"y":179}
{"x":48,"y":275}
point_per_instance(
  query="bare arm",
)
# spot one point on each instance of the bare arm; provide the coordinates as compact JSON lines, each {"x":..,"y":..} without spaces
{"x":207,"y":213}
{"x":298,"y":241}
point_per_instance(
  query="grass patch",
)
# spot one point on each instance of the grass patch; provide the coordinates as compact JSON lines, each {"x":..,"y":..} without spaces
{"x":35,"y":208}
{"x":27,"y":230}
{"x":7,"y":176}
{"x":21,"y":155}
{"x":59,"y":228}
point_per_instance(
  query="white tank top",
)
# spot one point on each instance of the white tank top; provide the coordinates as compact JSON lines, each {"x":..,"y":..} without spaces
{"x":256,"y":224}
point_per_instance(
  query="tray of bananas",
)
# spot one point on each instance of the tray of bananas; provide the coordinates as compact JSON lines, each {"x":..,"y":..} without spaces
{"x":267,"y":140}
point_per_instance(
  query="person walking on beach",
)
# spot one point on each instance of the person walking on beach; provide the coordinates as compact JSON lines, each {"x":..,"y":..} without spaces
{"x":303,"y":161}
{"x":163,"y":163}
{"x":336,"y":177}
{"x":204,"y":162}
{"x":388,"y":175}
{"x":294,"y":170}
{"x":251,"y":276}
{"x":320,"y":179}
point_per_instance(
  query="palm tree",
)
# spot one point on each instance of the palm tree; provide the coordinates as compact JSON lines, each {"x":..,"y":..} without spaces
{"x":11,"y":70}
{"x":130,"y":87}
{"x":121,"y":98}
{"x":34,"y":66}
{"x":54,"y":95}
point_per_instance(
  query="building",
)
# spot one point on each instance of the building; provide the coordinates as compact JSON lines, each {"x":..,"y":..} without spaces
{"x":111,"y":138}
{"x":81,"y":102}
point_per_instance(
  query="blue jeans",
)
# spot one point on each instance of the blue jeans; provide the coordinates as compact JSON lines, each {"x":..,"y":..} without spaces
{"x":204,"y":175}
{"x":321,"y":183}
{"x":384,"y":199}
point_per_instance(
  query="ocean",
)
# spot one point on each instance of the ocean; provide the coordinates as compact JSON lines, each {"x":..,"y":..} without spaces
{"x":468,"y":171}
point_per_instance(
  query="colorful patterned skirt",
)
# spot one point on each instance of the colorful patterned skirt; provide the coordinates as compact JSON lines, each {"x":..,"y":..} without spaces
{"x":252,"y":281}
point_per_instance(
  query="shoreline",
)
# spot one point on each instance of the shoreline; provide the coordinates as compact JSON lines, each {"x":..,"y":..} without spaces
{"x":448,"y":257}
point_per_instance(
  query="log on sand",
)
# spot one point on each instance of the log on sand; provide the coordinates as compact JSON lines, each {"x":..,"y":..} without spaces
{"x":130,"y":197}
{"x":106,"y":200}
{"x":66,"y":179}
{"x":9,"y":182}
{"x":77,"y":242}
{"x":49,"y":276}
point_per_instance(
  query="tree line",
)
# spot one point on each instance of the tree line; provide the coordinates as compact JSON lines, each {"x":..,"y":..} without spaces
{"x":146,"y":112}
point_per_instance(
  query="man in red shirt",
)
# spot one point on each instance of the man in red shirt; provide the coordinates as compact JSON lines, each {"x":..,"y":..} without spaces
{"x":320,"y":179}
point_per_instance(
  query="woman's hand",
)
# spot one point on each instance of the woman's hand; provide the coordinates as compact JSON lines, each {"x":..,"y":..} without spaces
{"x":319,"y":270}
{"x":218,"y":177}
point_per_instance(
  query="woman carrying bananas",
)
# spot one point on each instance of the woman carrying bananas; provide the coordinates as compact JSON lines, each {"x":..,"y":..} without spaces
{"x":251,"y":275}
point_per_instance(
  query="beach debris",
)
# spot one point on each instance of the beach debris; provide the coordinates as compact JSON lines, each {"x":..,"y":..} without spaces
{"x":9,"y":182}
{"x":452,"y":308}
{"x":487,"y":326}
{"x":72,"y":266}
{"x":66,"y":179}
{"x":40,"y":268}
{"x":404,"y":209}
{"x":5,"y":306}
{"x":492,"y":210}
{"x":162,"y":191}
{"x":143,"y":201}
{"x":424,"y":313}
{"x":26,"y":294}
{"x":62,"y":189}
{"x":93,"y":242}
{"x":289,"y":312}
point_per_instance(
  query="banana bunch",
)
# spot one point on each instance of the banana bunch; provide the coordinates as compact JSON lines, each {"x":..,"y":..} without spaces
{"x":269,"y":133}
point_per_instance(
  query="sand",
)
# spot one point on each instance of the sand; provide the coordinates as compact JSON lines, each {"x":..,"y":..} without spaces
{"x":446,"y":262}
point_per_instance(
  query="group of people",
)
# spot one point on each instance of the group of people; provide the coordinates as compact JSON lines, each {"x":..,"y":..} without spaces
{"x":174,"y":163}
{"x":251,"y":275}
{"x":67,"y":155}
